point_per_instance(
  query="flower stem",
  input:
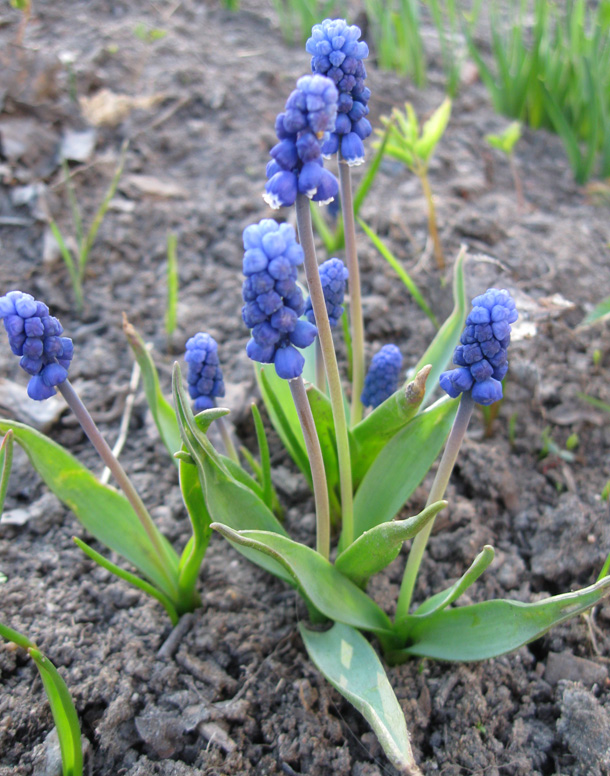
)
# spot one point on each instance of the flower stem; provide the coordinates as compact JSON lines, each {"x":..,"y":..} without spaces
{"x":163,"y":551}
{"x":227,"y":441}
{"x":432,"y":227}
{"x":320,"y":373}
{"x":330,"y":364}
{"x":316,"y":462}
{"x":355,"y":297}
{"x":437,"y":491}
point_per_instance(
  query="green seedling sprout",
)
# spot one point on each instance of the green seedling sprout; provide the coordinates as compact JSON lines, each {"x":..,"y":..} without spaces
{"x":171,"y":307}
{"x":77,"y":264}
{"x":414,"y":147}
{"x":62,"y":706}
{"x":25,"y":6}
{"x":506,"y":142}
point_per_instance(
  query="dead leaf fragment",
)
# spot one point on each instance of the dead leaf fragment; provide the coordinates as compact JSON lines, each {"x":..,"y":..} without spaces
{"x":107,"y":109}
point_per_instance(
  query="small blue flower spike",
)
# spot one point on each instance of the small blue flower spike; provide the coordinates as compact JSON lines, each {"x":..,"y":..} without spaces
{"x":204,"y":374}
{"x":273,"y":303}
{"x":333,"y":276}
{"x":34,"y":335}
{"x":383,"y":376}
{"x":481,"y":358}
{"x":297,"y":166}
{"x":337,"y":53}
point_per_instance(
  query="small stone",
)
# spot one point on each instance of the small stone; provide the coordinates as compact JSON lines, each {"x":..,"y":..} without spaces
{"x":565,"y":665}
{"x":584,"y":726}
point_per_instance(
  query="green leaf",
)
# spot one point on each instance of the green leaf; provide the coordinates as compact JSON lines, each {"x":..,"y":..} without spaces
{"x":6,"y":463}
{"x":162,"y":411}
{"x":507,"y":140}
{"x":599,"y":311}
{"x":62,"y":707}
{"x":320,"y":583}
{"x":347,"y":660}
{"x":369,"y":436}
{"x":64,"y":714}
{"x":401,"y":466}
{"x":134,"y":580}
{"x":400,"y":271}
{"x":440,"y":351}
{"x":263,"y":449}
{"x":322,"y":412}
{"x":491,"y":628}
{"x":105,"y":513}
{"x":432,"y":131}
{"x":378,"y":547}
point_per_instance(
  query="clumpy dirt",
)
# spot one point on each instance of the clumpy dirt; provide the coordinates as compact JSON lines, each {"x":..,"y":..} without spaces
{"x":231,"y":690}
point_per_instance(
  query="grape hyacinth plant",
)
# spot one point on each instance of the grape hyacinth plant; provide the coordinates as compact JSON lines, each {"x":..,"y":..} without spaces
{"x":383,"y":376}
{"x":362,"y":470}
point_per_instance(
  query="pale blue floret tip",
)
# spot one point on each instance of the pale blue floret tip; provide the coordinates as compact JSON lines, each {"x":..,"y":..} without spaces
{"x":273,"y":302}
{"x":204,"y":376}
{"x":337,"y":53}
{"x":35,"y":335}
{"x":333,"y":277}
{"x":383,"y":376}
{"x":481,"y":357}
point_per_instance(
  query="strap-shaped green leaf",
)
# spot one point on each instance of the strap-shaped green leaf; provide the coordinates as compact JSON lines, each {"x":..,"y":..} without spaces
{"x":369,"y":436}
{"x":162,"y":411}
{"x":322,"y":412}
{"x":62,"y":707}
{"x":491,"y":628}
{"x":105,"y":513}
{"x":440,"y":351}
{"x":401,"y":466}
{"x":6,"y":463}
{"x":377,"y":548}
{"x":330,"y":592}
{"x":346,"y":659}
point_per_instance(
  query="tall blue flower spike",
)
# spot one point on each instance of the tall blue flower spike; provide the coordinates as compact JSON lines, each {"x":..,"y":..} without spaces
{"x":34,"y":335}
{"x":383,"y":376}
{"x":273,"y":303}
{"x":481,"y":357}
{"x":297,"y":165}
{"x":337,"y":53}
{"x":204,"y":373}
{"x":333,"y":276}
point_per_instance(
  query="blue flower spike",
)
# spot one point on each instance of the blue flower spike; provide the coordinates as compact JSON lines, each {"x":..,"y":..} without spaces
{"x":383,"y":376}
{"x":337,"y":53}
{"x":273,"y":303}
{"x":35,"y":335}
{"x":481,"y":358}
{"x":204,"y":373}
{"x":296,"y":166}
{"x":333,"y":276}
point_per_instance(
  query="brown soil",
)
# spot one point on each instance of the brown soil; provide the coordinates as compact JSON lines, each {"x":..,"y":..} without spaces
{"x":233,"y":691}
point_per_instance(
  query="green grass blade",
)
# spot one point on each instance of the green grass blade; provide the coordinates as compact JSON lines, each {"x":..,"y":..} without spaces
{"x":171,"y":309}
{"x":83,"y":256}
{"x":263,"y":449}
{"x":134,"y":580}
{"x":66,"y":255}
{"x":76,"y":216}
{"x":400,"y":271}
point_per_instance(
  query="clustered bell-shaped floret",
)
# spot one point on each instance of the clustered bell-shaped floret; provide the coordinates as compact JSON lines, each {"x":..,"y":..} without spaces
{"x":297,"y":166}
{"x":337,"y":53}
{"x":35,"y":335}
{"x":204,"y":373}
{"x":333,"y":277}
{"x":481,"y":358}
{"x":383,"y":376}
{"x":273,"y":303}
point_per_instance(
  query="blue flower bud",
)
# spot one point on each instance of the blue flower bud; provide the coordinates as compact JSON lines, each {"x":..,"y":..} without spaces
{"x":33,"y":335}
{"x":383,"y":376}
{"x":273,"y":315}
{"x":204,"y":375}
{"x":333,"y":277}
{"x":482,"y":356}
